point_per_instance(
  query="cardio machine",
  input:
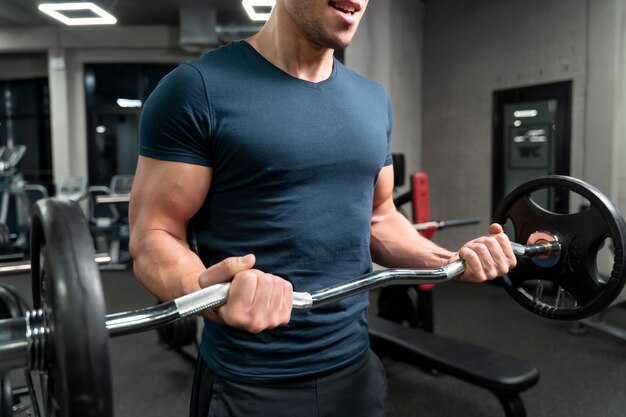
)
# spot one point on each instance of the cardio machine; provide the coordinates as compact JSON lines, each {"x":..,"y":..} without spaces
{"x":17,"y":197}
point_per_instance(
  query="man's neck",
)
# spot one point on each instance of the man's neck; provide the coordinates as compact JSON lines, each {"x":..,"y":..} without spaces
{"x":285,"y":46}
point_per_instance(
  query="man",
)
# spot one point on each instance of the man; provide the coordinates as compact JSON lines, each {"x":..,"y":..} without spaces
{"x":274,"y":158}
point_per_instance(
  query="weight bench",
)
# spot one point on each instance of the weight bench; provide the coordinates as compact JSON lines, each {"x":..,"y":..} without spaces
{"x":505,"y":376}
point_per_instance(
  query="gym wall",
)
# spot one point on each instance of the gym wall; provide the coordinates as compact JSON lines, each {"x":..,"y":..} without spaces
{"x":16,"y":66}
{"x":388,"y":48}
{"x":473,"y":48}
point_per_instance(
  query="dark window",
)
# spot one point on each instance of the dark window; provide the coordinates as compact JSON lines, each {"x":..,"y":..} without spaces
{"x":25,"y":120}
{"x":113,"y":125}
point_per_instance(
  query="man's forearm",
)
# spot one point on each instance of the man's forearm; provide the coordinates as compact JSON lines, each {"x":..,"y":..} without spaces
{"x":165,"y":265}
{"x":396,"y":244}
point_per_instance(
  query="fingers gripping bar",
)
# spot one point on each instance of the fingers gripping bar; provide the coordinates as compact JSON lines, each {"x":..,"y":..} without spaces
{"x":216,"y":295}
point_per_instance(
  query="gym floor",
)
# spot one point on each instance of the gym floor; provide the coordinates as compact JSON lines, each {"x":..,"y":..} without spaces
{"x":580,"y":375}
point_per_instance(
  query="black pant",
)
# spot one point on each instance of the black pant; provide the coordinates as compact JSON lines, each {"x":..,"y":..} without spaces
{"x":358,"y":390}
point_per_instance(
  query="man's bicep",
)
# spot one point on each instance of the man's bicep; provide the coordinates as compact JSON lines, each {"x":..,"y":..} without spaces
{"x":383,"y":193}
{"x":166,"y":195}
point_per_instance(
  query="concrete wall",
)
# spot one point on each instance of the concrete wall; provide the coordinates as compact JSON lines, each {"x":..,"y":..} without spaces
{"x":475,"y":47}
{"x":618,"y":189}
{"x":23,"y":66}
{"x":388,"y":48}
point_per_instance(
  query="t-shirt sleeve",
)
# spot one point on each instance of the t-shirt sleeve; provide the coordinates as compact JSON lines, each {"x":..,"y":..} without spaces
{"x":389,"y":159}
{"x":175,"y":122}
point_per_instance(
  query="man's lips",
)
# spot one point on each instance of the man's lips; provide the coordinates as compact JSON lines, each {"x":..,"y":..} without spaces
{"x":348,"y":7}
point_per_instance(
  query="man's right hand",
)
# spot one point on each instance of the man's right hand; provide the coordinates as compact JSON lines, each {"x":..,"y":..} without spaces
{"x":257,"y":300}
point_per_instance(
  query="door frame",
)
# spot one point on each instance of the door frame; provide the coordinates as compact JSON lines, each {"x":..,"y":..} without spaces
{"x":562,"y":92}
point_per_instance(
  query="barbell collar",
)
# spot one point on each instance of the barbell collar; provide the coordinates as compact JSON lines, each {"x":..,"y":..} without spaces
{"x":22,"y":341}
{"x":538,"y":249}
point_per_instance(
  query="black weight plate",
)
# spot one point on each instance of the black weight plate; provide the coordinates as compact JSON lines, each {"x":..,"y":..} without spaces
{"x":76,"y":375}
{"x":6,"y":396}
{"x":582,"y":235}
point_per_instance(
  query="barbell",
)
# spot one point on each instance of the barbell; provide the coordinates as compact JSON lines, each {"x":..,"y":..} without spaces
{"x":64,"y":340}
{"x":21,"y":267}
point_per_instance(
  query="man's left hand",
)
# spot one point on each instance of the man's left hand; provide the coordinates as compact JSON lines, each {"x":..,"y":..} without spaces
{"x":487,"y":257}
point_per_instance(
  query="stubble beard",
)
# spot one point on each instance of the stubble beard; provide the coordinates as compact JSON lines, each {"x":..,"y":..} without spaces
{"x":316,"y":32}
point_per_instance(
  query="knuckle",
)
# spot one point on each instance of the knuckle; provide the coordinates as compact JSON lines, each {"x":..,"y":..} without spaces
{"x":276,"y":321}
{"x":288,"y":293}
{"x":472,"y":258}
{"x":501,"y":238}
{"x":484,"y":276}
{"x":493,"y":242}
{"x":265,"y":279}
{"x":254,"y":329}
{"x":228,"y":264}
{"x":235,"y":319}
{"x":482,"y":251}
{"x":285,"y":315}
{"x":493,"y":273}
{"x":466,"y":252}
{"x":248,"y":276}
{"x":254,"y":325}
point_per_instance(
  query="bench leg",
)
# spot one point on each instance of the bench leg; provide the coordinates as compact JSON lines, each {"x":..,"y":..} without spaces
{"x":513,"y":404}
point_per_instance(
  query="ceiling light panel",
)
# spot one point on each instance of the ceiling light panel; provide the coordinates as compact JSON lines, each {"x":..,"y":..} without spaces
{"x":100,"y":16}
{"x":251,"y":7}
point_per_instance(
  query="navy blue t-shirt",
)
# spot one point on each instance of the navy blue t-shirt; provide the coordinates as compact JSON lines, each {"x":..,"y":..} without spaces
{"x":294,"y":169}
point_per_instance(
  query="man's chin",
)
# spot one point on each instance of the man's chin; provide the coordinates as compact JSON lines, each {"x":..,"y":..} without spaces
{"x":338,"y":42}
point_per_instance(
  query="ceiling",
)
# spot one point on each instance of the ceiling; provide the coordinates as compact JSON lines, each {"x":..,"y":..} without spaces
{"x":128,"y":12}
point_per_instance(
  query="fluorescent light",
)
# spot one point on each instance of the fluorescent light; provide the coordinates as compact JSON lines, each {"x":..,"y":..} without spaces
{"x":249,"y":6}
{"x":525,"y":113}
{"x":126,"y":102}
{"x":54,"y":10}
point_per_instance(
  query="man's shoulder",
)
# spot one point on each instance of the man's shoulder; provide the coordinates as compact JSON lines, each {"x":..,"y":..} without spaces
{"x":223,"y":56}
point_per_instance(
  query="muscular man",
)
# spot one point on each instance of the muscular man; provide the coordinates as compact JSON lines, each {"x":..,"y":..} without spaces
{"x":273,"y":159}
